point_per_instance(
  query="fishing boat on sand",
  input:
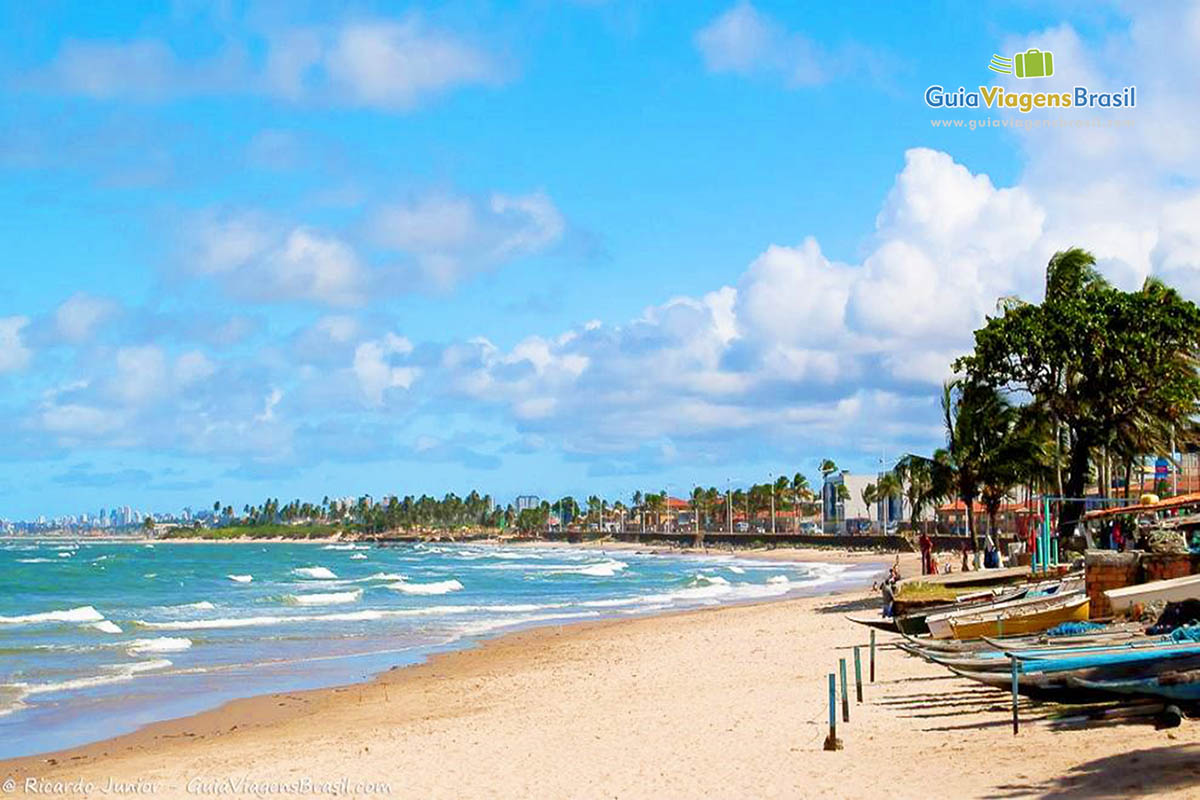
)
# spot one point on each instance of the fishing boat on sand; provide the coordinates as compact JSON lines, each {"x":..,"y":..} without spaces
{"x":1034,"y":617}
{"x":1174,"y":590}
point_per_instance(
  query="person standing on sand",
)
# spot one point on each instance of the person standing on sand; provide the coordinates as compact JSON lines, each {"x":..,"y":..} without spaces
{"x":926,"y":552}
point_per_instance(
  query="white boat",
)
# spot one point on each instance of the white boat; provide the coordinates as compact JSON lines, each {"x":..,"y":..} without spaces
{"x":1171,"y":591}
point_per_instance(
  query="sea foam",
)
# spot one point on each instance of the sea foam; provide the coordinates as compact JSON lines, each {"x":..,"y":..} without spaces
{"x":163,"y":644}
{"x":327,"y":599}
{"x":240,"y":578}
{"x":319,"y":573}
{"x":436,"y":587}
{"x":80,"y":614}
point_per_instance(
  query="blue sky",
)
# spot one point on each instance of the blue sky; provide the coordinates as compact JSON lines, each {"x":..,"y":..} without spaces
{"x":283,"y":250}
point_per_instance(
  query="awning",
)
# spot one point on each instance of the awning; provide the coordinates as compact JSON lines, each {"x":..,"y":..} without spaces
{"x":1193,"y":498}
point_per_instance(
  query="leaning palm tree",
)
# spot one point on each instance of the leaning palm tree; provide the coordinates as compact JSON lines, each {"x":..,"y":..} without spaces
{"x":870,"y":496}
{"x":889,"y":486}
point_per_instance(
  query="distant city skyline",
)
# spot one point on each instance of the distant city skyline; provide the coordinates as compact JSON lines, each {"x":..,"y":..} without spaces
{"x":588,"y":248}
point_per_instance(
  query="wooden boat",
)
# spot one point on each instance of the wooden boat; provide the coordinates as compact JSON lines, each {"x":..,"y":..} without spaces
{"x":1171,"y":591}
{"x":916,"y":622}
{"x":939,"y":624}
{"x":983,"y":577}
{"x":1140,"y":658}
{"x":1170,"y":685}
{"x":1033,"y":617}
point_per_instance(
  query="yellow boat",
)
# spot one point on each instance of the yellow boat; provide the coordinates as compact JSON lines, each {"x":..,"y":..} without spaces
{"x":1003,"y":622}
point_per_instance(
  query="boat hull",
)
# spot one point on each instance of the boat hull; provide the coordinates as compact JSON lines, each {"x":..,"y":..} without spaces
{"x":1175,"y":590}
{"x":1034,"y":620}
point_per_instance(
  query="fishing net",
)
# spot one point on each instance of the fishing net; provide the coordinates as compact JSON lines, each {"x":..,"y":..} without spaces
{"x":1074,"y":628}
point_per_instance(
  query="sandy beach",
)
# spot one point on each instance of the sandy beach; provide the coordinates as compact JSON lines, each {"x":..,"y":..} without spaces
{"x":725,"y":702}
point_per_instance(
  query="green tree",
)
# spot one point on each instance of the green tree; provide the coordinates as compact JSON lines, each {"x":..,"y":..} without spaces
{"x":1093,"y":360}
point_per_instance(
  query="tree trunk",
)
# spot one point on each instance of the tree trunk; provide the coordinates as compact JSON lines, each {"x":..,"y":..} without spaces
{"x":1077,"y":471}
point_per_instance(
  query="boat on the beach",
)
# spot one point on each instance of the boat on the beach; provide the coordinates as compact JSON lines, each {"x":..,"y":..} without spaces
{"x":1170,"y":591}
{"x":1033,"y":617}
{"x":1183,"y":686}
{"x":940,"y":624}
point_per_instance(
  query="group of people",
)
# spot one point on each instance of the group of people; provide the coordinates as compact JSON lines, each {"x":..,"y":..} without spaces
{"x":931,"y":566}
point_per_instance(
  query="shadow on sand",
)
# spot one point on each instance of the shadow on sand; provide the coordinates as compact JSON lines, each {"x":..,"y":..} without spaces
{"x":1133,"y":774}
{"x":851,"y":606}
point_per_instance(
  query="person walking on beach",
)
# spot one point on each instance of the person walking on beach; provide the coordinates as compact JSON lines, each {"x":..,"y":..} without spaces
{"x":926,"y":552}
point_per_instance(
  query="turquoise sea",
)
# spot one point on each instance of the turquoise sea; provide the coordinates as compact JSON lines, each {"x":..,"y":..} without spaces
{"x":98,"y":639}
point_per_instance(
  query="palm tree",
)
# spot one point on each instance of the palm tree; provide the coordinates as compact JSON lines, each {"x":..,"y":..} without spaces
{"x":800,"y":493}
{"x":870,"y":494}
{"x":778,"y":493}
{"x":985,"y":447}
{"x":889,"y":486}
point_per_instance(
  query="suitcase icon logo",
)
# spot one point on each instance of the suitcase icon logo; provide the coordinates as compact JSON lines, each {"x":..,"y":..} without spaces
{"x":1033,"y":63}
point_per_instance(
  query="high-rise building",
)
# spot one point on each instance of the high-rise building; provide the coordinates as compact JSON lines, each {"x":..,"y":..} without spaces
{"x":527,"y":501}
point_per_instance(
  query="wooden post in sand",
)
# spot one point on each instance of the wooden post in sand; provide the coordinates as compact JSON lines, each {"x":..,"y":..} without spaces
{"x":831,"y":741}
{"x":1015,"y":667}
{"x":857,"y":674}
{"x":845,"y":696}
{"x":872,"y":655}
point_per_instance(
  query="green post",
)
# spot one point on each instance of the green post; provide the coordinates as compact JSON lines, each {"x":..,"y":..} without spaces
{"x":1015,"y":694}
{"x":831,"y":741}
{"x":1045,"y":561}
{"x":872,"y":655}
{"x":845,"y":696}
{"x":857,"y":674}
{"x":1054,"y":552}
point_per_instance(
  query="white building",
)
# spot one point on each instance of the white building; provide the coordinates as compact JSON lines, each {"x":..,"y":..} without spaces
{"x":852,"y":515}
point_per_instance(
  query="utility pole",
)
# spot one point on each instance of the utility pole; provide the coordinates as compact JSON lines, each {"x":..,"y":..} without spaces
{"x":771,"y":476}
{"x":728,"y":505}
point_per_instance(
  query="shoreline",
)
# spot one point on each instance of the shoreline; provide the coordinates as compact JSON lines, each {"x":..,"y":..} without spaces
{"x":262,"y":707}
{"x":728,"y":700}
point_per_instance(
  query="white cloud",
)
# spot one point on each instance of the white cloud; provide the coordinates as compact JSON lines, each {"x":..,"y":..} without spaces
{"x":80,"y":314}
{"x":744,"y":41}
{"x":386,"y":64}
{"x":375,"y":371}
{"x":258,"y":260}
{"x":450,"y":237}
{"x":14,"y":355}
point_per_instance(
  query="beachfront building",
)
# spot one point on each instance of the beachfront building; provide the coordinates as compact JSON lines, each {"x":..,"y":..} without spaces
{"x":527,"y":502}
{"x":847,"y":514}
{"x":852,"y":514}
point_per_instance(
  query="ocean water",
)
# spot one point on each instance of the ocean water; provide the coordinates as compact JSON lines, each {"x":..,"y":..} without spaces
{"x":98,"y":639}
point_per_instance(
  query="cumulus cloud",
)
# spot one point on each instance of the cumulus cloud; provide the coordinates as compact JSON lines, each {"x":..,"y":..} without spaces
{"x":381,"y":63}
{"x":801,"y":353}
{"x":255,"y":259}
{"x":375,"y":371}
{"x":450,"y":237}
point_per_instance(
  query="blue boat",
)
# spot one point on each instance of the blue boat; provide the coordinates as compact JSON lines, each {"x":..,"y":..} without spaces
{"x":1171,"y":686}
{"x":1108,"y":659}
